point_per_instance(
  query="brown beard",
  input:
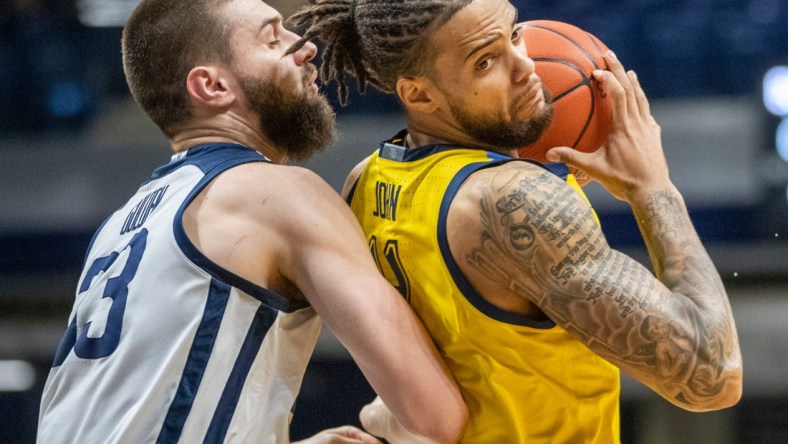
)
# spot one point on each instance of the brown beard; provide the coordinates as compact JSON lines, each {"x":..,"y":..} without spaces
{"x":300,"y":124}
{"x":500,"y":135}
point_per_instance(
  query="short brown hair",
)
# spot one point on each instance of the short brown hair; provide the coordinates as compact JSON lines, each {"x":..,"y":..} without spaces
{"x":162,"y":41}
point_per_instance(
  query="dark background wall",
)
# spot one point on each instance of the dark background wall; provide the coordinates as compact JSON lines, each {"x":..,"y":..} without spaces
{"x":73,"y":146}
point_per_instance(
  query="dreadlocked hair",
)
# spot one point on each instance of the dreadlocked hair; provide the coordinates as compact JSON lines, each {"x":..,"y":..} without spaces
{"x":375,"y":41}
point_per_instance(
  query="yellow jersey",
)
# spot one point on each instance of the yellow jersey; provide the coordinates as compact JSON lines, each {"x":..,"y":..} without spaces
{"x":523,"y":381}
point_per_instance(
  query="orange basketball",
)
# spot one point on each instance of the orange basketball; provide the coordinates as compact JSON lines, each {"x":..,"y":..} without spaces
{"x":565,"y":56}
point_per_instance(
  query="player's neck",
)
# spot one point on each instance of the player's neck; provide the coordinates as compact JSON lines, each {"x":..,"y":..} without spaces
{"x":420,"y":134}
{"x":423,"y":131}
{"x":199,"y":133}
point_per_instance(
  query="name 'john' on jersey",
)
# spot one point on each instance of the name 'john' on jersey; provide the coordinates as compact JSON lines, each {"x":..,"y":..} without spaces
{"x":524,"y":381}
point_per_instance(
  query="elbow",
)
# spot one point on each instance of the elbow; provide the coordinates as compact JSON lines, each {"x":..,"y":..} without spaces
{"x":732,"y":387}
{"x":725,"y":399}
{"x":731,"y":393}
{"x":441,"y":423}
{"x":456,"y":427}
{"x":448,"y":430}
{"x":727,"y":394}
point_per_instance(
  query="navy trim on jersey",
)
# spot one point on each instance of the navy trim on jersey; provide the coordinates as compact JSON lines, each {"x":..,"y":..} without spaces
{"x":560,"y":169}
{"x":352,"y":192}
{"x":399,"y":153}
{"x":225,"y":409}
{"x":395,"y":149}
{"x":206,"y":157}
{"x":214,"y":159}
{"x":196,"y":362}
{"x":462,"y":282}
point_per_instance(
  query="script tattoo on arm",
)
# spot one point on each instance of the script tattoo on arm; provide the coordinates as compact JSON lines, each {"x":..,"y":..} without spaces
{"x":675,"y":333}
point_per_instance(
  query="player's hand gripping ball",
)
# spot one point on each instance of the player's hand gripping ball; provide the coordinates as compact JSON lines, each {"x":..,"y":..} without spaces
{"x":565,"y":57}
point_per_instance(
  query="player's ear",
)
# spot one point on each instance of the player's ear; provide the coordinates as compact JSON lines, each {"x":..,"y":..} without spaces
{"x":209,"y":85}
{"x":417,"y":94}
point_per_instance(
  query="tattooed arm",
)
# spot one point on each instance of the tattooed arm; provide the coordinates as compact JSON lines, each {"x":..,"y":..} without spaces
{"x":521,"y":233}
{"x":525,"y":239}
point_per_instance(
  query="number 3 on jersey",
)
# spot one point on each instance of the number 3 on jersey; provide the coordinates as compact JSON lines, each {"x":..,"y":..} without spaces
{"x":114,"y":287}
{"x":393,"y":271}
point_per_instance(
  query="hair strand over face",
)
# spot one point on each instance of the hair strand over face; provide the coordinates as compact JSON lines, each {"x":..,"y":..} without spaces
{"x":380,"y":42}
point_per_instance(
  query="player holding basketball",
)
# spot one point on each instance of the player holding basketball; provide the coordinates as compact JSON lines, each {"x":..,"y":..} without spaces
{"x":504,"y":260}
{"x":197,"y":310}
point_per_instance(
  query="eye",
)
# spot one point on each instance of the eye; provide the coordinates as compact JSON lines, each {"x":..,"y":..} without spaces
{"x":484,"y":63}
{"x":517,"y":33}
{"x":274,"y":43}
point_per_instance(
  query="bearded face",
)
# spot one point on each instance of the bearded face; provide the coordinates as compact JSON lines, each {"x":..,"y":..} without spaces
{"x":299,"y":122}
{"x":498,"y":131}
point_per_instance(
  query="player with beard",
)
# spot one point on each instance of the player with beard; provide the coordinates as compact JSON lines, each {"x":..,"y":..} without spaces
{"x":201,"y":298}
{"x":503,"y":258}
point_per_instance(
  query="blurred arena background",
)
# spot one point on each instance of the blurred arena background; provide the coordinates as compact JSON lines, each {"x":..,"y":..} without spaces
{"x":73,"y":145}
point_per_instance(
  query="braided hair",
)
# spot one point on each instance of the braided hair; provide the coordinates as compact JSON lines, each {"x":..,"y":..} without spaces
{"x":376,"y":41}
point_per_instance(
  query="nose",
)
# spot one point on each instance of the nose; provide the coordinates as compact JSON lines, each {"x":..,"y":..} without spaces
{"x":524,"y":66}
{"x":305,"y":54}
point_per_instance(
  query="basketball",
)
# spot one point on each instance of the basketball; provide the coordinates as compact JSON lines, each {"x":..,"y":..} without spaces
{"x":565,"y":57}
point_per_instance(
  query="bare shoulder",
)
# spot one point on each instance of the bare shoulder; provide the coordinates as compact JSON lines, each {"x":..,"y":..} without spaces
{"x":257,"y":218}
{"x":259,"y":178}
{"x":276,"y":194}
{"x":352,"y":177}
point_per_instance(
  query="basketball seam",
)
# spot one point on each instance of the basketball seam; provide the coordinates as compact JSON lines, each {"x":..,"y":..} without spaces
{"x":588,"y":120}
{"x":586,"y":81}
{"x":580,"y":47}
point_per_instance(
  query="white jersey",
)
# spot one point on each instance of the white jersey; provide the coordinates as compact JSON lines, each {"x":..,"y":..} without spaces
{"x":163,"y":345}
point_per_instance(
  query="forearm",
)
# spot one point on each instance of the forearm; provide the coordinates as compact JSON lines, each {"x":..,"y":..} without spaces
{"x":674,"y":332}
{"x":400,"y":361}
{"x":681,"y":263}
{"x":677,"y":338}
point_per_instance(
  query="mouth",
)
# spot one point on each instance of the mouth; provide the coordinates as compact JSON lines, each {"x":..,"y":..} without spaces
{"x":310,"y":79}
{"x":532,"y":98}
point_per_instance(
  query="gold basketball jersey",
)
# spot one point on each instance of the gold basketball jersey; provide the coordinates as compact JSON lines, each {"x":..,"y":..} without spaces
{"x":523,"y":381}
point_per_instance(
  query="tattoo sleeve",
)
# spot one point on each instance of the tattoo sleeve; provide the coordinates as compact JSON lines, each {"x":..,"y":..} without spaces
{"x":674,"y":331}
